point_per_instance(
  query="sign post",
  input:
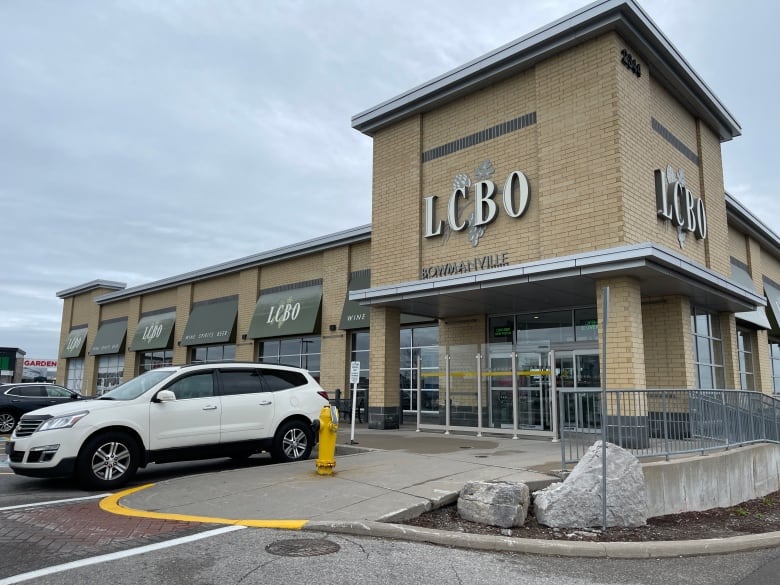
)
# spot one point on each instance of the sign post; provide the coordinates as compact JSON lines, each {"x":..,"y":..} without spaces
{"x":354,"y":378}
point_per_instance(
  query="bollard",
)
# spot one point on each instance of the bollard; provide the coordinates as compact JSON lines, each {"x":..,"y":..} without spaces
{"x":329,"y":426}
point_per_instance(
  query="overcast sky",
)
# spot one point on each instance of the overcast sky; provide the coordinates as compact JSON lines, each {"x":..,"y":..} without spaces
{"x":141,"y":139}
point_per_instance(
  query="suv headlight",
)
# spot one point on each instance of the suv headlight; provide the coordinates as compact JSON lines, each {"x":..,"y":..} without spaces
{"x":63,"y":422}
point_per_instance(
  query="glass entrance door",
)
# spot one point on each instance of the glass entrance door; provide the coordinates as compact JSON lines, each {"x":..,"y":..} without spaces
{"x":533,"y":390}
{"x":578,"y":378}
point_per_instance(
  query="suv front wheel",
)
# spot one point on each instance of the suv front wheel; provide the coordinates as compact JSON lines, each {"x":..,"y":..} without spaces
{"x":107,"y":461}
{"x":293,"y":442}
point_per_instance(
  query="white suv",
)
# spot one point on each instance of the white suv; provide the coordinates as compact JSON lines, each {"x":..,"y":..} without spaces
{"x":176,"y":413}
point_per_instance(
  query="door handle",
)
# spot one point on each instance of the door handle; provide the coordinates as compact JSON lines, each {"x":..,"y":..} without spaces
{"x":265,"y":403}
{"x":212,"y":407}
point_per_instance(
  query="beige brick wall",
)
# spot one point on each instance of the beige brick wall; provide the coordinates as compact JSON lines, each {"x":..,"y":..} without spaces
{"x":579,"y":149}
{"x":247,"y":301}
{"x":360,"y":256}
{"x":335,"y":348}
{"x":384,"y":360}
{"x":770,"y":267}
{"x":669,"y":362}
{"x":183,"y":306}
{"x":625,"y":334}
{"x":712,"y":190}
{"x":396,"y":205}
{"x":737,"y":247}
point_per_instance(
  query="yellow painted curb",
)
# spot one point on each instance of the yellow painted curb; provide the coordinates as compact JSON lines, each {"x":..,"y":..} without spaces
{"x":111,"y":504}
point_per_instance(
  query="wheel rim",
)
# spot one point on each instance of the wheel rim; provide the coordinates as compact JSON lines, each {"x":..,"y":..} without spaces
{"x":111,"y":461}
{"x":294,"y":443}
{"x":7,"y":423}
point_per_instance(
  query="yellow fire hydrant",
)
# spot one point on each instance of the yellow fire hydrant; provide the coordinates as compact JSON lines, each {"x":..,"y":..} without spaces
{"x":329,"y":426}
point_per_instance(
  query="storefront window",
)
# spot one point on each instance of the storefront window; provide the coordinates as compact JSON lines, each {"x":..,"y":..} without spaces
{"x":150,"y":360}
{"x":552,"y":327}
{"x":774,"y":357}
{"x":202,"y":354}
{"x":708,"y":350}
{"x":745,"y":347}
{"x":74,"y":379}
{"x":546,"y":327}
{"x":299,"y":352}
{"x":110,"y":370}
{"x":360,"y":343}
{"x":422,"y":342}
{"x":586,"y":324}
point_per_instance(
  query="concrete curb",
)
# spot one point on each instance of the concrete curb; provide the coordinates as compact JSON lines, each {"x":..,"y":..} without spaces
{"x":614,"y":550}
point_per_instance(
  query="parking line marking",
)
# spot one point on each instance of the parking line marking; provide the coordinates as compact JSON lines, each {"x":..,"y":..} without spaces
{"x":111,"y":504}
{"x":51,"y":502}
{"x":116,"y":555}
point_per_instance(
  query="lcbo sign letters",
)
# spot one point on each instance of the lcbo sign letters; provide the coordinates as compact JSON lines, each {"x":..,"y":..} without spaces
{"x":515,"y":202}
{"x":677,"y":204}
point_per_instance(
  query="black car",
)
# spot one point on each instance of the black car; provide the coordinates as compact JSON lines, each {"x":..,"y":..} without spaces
{"x":16,"y":399}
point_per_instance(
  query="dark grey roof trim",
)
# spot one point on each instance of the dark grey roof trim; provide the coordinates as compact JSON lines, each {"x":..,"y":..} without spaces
{"x":625,"y":17}
{"x":599,"y":262}
{"x":88,"y":286}
{"x":350,"y":236}
{"x":743,"y":219}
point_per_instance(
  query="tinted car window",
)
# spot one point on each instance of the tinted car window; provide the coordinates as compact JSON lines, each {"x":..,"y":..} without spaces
{"x":275,"y":380}
{"x":195,"y":386}
{"x":36,"y":391}
{"x":240,"y":381}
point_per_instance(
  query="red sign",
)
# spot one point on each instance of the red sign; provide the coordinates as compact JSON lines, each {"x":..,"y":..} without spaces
{"x":40,"y":363}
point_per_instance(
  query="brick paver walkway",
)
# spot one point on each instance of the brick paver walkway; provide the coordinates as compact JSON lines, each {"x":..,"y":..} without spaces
{"x":37,"y":537}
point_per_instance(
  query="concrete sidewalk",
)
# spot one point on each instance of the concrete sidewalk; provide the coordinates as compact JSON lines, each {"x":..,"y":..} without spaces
{"x":386,"y":477}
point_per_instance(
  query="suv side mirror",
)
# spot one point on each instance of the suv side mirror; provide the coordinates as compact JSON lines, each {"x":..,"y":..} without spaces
{"x":165,"y":396}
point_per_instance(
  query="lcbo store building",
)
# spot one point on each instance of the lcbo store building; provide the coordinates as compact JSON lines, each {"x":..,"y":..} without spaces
{"x":507,"y":195}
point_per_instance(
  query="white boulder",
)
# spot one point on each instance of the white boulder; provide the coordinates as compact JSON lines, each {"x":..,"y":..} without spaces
{"x":577,"y":502}
{"x":495,"y":503}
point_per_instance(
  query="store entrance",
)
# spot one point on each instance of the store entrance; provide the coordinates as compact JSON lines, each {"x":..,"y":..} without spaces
{"x":532,"y":372}
{"x":537,"y":383}
{"x":578,"y":380}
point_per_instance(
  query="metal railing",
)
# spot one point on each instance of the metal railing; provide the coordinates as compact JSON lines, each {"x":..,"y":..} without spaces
{"x":662,"y":423}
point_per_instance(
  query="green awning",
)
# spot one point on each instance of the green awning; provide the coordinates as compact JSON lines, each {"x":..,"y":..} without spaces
{"x":289,"y":312}
{"x":154,"y":332}
{"x":773,"y":297}
{"x":758,"y":317}
{"x":74,"y":345}
{"x":110,"y":337}
{"x":354,"y":315}
{"x":211,"y":322}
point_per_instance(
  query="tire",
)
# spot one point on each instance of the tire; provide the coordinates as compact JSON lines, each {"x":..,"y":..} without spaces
{"x":293,"y":442}
{"x":107,"y":461}
{"x":7,"y":422}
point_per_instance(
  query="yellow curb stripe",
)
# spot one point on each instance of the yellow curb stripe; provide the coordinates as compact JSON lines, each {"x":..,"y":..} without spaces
{"x":111,"y":504}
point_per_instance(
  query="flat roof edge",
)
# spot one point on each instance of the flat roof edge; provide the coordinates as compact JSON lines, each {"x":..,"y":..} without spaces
{"x":88,"y":286}
{"x":623,"y":16}
{"x":349,"y":236}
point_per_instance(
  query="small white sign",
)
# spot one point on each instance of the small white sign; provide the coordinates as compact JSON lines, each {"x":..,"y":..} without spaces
{"x":354,"y":372}
{"x":6,"y":372}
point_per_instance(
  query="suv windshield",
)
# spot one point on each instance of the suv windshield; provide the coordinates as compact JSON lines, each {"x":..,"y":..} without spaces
{"x":137,"y":386}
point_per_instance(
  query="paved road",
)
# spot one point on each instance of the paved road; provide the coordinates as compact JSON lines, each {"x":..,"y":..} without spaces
{"x":259,"y":556}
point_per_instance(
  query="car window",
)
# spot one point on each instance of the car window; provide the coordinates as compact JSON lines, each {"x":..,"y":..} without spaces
{"x":57,"y":392}
{"x":276,"y":380}
{"x":200,"y":385}
{"x":240,"y":381}
{"x":29,"y":391}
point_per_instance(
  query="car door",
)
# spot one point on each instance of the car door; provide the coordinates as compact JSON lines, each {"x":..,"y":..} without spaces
{"x":58,"y":395}
{"x":192,"y":419}
{"x":28,"y":397}
{"x":247,"y":409}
